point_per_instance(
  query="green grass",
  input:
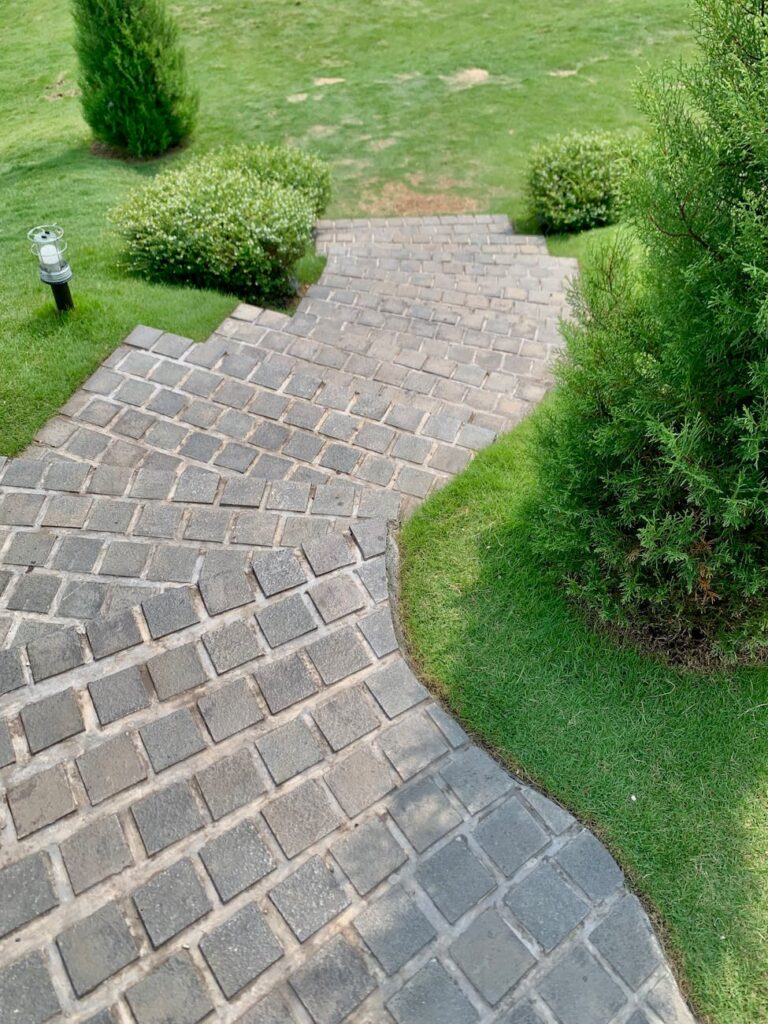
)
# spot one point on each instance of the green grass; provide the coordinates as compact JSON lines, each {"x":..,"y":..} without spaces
{"x":396,"y":131}
{"x":670,"y":767}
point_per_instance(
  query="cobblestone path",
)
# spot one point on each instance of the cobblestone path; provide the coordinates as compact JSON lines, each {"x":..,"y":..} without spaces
{"x":226,"y":797}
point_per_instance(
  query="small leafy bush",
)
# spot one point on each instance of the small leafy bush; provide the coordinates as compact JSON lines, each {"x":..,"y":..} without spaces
{"x":653,"y":462}
{"x":574,"y":181}
{"x":236,"y":220}
{"x":135,"y":92}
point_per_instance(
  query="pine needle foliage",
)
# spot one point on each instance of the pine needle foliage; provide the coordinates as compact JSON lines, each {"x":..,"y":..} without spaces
{"x":653,"y":460}
{"x":136,"y":94}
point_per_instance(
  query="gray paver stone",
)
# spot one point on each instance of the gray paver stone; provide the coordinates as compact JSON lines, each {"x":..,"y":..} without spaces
{"x":113,"y":633}
{"x":285,"y":682}
{"x":591,"y":866}
{"x":26,"y":891}
{"x":232,"y":645}
{"x":41,"y":800}
{"x":371,"y":536}
{"x":272,"y":1009}
{"x":230,"y":783}
{"x":166,"y":815}
{"x":412,"y":744}
{"x":117,"y":695}
{"x":241,"y":949}
{"x":301,"y":817}
{"x":396,"y":688}
{"x":379,"y":632}
{"x":431,"y":997}
{"x":169,"y":612}
{"x":360,"y":780}
{"x":111,"y":767}
{"x":225,"y":591}
{"x":171,"y":901}
{"x":454,"y":879}
{"x":545,"y":905}
{"x":286,"y":620}
{"x":336,"y":597}
{"x":492,"y":956}
{"x":424,"y":813}
{"x":394,"y":929}
{"x":368,"y":855}
{"x":96,"y":947}
{"x":346,"y":717}
{"x":339,"y":655}
{"x":476,"y":778}
{"x":173,"y":992}
{"x":171,"y":739}
{"x":309,"y":898}
{"x":51,"y":720}
{"x":625,"y":940}
{"x":237,"y":859}
{"x":26,"y":992}
{"x":524,"y":1014}
{"x":277,"y":570}
{"x":33,"y":593}
{"x":55,"y":653}
{"x":229,"y":709}
{"x":7,"y":753}
{"x":176,"y":671}
{"x":333,"y":982}
{"x":579,"y":991}
{"x":11,"y":671}
{"x":510,"y":836}
{"x":325,"y":554}
{"x":288,"y":750}
{"x":96,"y":852}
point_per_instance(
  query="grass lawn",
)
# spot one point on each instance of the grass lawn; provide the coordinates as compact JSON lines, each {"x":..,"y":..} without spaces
{"x":405,"y":132}
{"x":669,"y":767}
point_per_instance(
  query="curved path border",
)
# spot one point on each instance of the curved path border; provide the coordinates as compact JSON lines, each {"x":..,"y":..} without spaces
{"x":227,"y":796}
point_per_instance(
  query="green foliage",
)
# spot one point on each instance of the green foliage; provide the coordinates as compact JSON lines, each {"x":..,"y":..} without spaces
{"x":135,"y":93}
{"x":574,"y":180}
{"x":227,"y":220}
{"x":653,"y":460}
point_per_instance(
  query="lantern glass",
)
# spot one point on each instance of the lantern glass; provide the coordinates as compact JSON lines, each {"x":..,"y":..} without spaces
{"x":47,"y":243}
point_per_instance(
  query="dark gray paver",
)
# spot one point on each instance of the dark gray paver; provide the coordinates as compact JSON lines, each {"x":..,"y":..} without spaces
{"x":176,"y":671}
{"x":492,"y":956}
{"x":171,"y":739}
{"x":359,"y":780}
{"x":96,"y":948}
{"x":285,"y":682}
{"x":41,"y":800}
{"x":113,"y":633}
{"x":432,"y":997}
{"x":230,"y":783}
{"x":229,"y":709}
{"x":424,"y":813}
{"x":173,"y":992}
{"x":546,"y":906}
{"x":626,"y":942}
{"x":51,"y":720}
{"x":412,"y":744}
{"x":510,"y":835}
{"x":169,"y":612}
{"x":225,"y":591}
{"x":579,"y":991}
{"x":289,"y":750}
{"x":237,"y":859}
{"x":336,"y":597}
{"x":96,"y":852}
{"x":111,"y":767}
{"x":333,"y":982}
{"x":166,"y":815}
{"x":339,"y":655}
{"x":369,"y":855}
{"x":591,"y":866}
{"x":272,"y":1009}
{"x":327,"y":553}
{"x":278,"y":570}
{"x":378,"y":630}
{"x":232,"y":645}
{"x":346,"y":717}
{"x":120,"y":694}
{"x":286,"y":620}
{"x":171,"y":901}
{"x":309,"y":898}
{"x":396,"y":688}
{"x":7,"y":753}
{"x":476,"y":779}
{"x":11,"y":671}
{"x":301,"y":817}
{"x":241,"y":949}
{"x":26,"y":992}
{"x":394,"y":929}
{"x":454,"y":879}
{"x":26,"y":891}
{"x":55,"y":653}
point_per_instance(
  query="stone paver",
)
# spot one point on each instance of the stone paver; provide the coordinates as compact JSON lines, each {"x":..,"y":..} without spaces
{"x":228,"y":797}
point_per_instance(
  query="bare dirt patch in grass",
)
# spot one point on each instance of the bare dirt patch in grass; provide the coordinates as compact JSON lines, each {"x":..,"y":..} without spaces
{"x":395,"y":198}
{"x":297,"y":97}
{"x":379,"y":144}
{"x":328,"y":81}
{"x":467,"y":78}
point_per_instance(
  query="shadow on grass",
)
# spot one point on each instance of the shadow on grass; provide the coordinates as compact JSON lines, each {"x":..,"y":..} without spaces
{"x":669,"y":767}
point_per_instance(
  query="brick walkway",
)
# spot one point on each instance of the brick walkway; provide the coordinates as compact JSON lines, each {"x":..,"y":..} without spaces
{"x":227,"y":797}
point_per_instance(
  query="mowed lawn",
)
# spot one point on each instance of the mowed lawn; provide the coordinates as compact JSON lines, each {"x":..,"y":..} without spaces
{"x":419,"y":106}
{"x":669,"y":767}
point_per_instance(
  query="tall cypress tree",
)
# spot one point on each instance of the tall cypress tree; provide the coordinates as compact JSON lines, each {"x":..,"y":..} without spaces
{"x":136,"y":94}
{"x":654,"y":457}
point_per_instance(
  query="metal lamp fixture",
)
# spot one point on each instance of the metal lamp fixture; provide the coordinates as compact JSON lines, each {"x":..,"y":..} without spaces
{"x":49,"y":247}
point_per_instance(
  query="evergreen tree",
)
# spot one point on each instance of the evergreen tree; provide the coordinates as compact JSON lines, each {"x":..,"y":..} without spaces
{"x":654,"y":456}
{"x":135,"y":92}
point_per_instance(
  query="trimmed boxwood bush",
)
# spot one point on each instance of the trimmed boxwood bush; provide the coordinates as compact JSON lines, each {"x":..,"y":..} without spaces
{"x":574,"y":181}
{"x":236,"y":220}
{"x":653,"y":460}
{"x":135,"y":93}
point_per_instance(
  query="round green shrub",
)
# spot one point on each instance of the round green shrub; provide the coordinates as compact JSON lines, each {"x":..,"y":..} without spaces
{"x":236,"y":220}
{"x":135,"y":92}
{"x":574,"y":181}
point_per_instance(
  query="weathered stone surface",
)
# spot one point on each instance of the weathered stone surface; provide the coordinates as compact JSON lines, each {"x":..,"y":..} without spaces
{"x":432,"y":997}
{"x":333,"y":982}
{"x":394,"y":929}
{"x":96,"y":947}
{"x":171,"y":901}
{"x":309,"y":898}
{"x":241,"y":949}
{"x":492,"y":956}
{"x":237,"y":859}
{"x":26,"y":992}
{"x":26,"y":891}
{"x":174,"y":991}
{"x":96,"y":852}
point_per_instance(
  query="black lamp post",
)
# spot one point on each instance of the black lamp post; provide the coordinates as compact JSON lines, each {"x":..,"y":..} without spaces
{"x":49,"y":247}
